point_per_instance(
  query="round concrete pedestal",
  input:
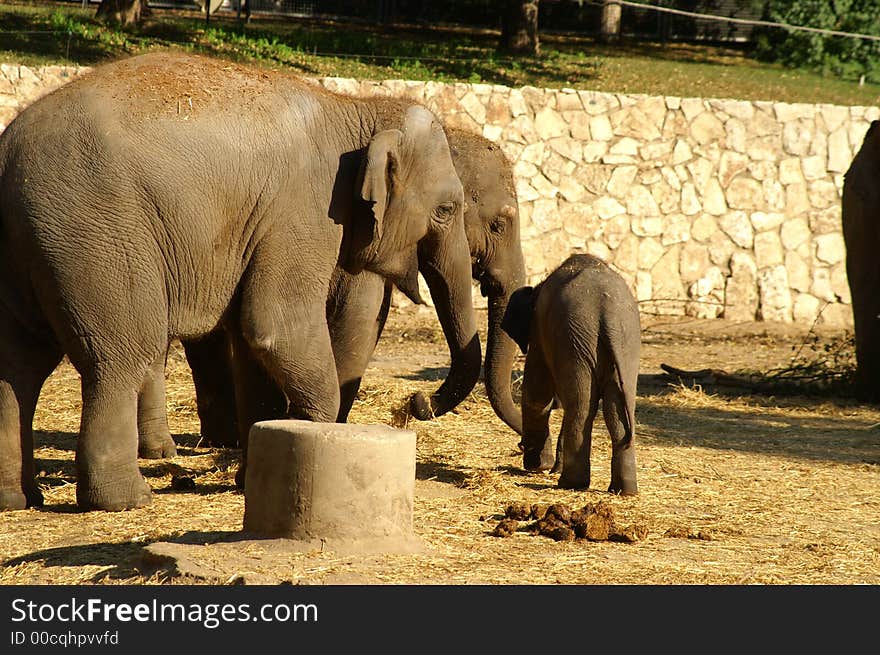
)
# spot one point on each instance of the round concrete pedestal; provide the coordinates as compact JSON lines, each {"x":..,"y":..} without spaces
{"x":341,"y":486}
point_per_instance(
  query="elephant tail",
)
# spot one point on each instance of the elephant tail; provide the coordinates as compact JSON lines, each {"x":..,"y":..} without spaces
{"x":625,"y":379}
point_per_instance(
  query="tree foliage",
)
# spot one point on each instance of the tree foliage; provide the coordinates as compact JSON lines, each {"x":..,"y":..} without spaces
{"x":841,"y":56}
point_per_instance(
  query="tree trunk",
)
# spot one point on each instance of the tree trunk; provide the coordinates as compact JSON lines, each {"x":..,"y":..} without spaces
{"x":610,"y":22}
{"x":519,"y":27}
{"x":121,"y":12}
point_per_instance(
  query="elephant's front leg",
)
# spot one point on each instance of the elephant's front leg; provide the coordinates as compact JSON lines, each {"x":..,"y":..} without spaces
{"x":580,"y":404}
{"x":289,"y":341}
{"x":356,"y":312}
{"x":154,"y":437}
{"x":210,"y":360}
{"x":537,"y":403}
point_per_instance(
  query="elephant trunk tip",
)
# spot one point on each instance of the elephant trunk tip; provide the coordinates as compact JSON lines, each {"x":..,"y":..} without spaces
{"x":420,"y":407}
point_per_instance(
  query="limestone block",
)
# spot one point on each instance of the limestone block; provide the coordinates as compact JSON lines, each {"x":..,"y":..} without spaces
{"x":692,"y":107}
{"x":797,"y":136}
{"x":625,"y":146}
{"x":650,"y":252}
{"x":545,"y":214}
{"x":738,"y":227}
{"x":731,"y":165}
{"x":774,"y":195}
{"x":763,"y":148}
{"x":694,"y":261}
{"x":837,"y":315}
{"x":790,"y":171}
{"x":714,"y":201}
{"x":681,"y":153}
{"x":805,"y":308}
{"x":823,"y":194}
{"x":707,"y":295}
{"x":643,"y":286}
{"x":763,"y":124}
{"x":739,"y":109}
{"x":657,"y":151}
{"x":763,"y":221}
{"x":621,"y":180}
{"x":701,"y":170}
{"x":721,"y":248}
{"x":794,"y":232}
{"x":640,"y":203}
{"x":667,"y":289}
{"x":549,"y":124}
{"x":493,"y":132}
{"x":331,"y":482}
{"x":774,"y":295}
{"x":707,"y":128}
{"x":677,"y":229}
{"x":517,"y":103}
{"x":745,"y":193}
{"x":690,"y":203}
{"x":768,"y":249}
{"x":626,"y":255}
{"x":536,"y":99}
{"x":568,"y":147}
{"x":498,"y":110}
{"x":596,"y":102}
{"x":667,"y":198}
{"x":474,"y":106}
{"x":740,"y":290}
{"x":606,"y":207}
{"x":568,"y":100}
{"x":736,"y":135}
{"x":839,"y":152}
{"x":595,"y":151}
{"x":833,"y":116}
{"x":703,"y":227}
{"x":764,"y":170}
{"x":797,"y":202}
{"x":840,"y":283}
{"x":798,"y":270}
{"x":830,"y":248}
{"x":646,"y":226}
{"x":579,"y":125}
{"x":813,"y":167}
{"x":670,"y":177}
{"x":821,"y":284}
{"x":594,"y":177}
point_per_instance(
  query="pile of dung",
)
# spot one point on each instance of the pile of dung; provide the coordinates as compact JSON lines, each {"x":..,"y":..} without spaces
{"x":592,"y":522}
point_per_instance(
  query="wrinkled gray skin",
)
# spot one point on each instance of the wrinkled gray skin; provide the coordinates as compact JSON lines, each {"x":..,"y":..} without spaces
{"x":358,"y":306}
{"x":860,"y":205}
{"x":580,"y":330}
{"x":136,"y":206}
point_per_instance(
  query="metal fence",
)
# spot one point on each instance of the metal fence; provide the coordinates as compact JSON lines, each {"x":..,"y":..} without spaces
{"x":578,"y":16}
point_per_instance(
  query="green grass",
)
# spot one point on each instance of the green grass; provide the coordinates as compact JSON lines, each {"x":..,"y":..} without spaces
{"x":37,"y":33}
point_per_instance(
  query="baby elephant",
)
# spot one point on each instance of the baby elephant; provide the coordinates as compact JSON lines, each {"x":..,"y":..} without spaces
{"x":580,"y":331}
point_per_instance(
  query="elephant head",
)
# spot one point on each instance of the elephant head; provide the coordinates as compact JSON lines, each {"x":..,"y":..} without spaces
{"x":416,"y":222}
{"x":491,"y":218}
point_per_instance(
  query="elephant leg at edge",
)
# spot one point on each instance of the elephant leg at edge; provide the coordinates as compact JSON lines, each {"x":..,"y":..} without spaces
{"x":154,"y":436}
{"x":537,"y":403}
{"x":210,"y":360}
{"x":20,"y":387}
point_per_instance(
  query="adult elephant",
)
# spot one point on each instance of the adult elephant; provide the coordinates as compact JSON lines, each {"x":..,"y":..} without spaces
{"x":357,"y":307}
{"x":136,"y":206}
{"x":860,"y":205}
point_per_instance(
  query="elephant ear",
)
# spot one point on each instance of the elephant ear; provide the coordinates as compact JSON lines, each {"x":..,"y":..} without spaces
{"x":517,"y":321}
{"x":379,"y":173}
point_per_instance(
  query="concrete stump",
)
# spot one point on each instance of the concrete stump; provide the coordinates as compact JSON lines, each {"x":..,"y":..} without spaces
{"x":340,"y":485}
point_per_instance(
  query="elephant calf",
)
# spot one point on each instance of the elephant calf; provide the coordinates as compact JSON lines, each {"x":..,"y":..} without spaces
{"x":580,"y":331}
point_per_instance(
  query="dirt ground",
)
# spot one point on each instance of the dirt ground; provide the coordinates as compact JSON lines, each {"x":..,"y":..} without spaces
{"x":735,"y":487}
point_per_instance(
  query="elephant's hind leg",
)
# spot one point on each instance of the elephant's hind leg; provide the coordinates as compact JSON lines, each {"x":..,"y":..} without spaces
{"x":108,"y":477}
{"x":154,"y":436}
{"x":620,"y":421}
{"x":24,"y":367}
{"x":210,"y":360}
{"x":581,"y":404}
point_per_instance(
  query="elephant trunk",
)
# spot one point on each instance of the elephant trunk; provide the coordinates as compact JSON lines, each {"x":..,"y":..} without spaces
{"x":446,"y":270}
{"x":501,"y":351}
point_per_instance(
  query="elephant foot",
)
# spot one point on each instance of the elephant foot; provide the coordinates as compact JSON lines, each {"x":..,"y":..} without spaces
{"x":114,"y":496}
{"x":220,"y":436}
{"x":159,"y":446}
{"x":239,"y":477}
{"x":574,"y":481}
{"x":624,"y":488}
{"x":34,"y":497}
{"x":12,"y":499}
{"x":420,"y":407}
{"x":537,"y":460}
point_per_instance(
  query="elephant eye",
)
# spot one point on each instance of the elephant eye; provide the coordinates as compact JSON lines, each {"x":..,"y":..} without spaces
{"x":445,"y":211}
{"x":498,"y":225}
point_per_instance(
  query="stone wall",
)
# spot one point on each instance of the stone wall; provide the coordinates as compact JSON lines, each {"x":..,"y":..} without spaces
{"x":709,"y":208}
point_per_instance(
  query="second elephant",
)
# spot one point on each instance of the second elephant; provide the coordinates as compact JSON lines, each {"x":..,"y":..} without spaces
{"x":581,"y":333}
{"x":358,"y":305}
